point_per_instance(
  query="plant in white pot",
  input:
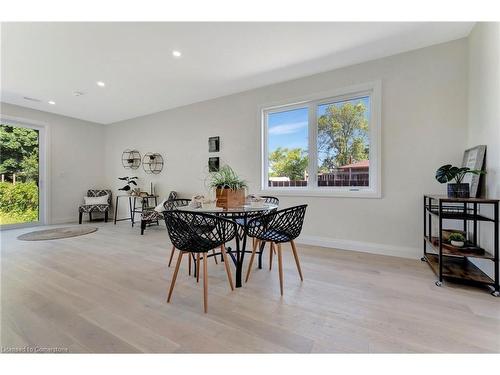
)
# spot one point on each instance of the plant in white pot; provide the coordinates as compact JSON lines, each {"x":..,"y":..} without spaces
{"x":457,"y":240}
{"x":229,"y":187}
{"x":448,"y":173}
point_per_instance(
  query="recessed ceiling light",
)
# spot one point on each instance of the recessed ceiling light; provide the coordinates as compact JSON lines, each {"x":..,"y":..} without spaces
{"x":52,"y":102}
{"x":100,"y":83}
{"x":176,"y":53}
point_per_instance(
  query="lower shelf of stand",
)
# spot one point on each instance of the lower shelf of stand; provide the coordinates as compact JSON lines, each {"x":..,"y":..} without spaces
{"x":457,"y":252}
{"x":458,"y":268}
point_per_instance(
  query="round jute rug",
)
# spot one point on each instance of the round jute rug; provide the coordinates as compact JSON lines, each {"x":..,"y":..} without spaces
{"x":56,"y":233}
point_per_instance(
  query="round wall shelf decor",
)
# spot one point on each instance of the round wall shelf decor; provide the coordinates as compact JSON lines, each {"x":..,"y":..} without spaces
{"x":152,"y":162}
{"x":131,"y":159}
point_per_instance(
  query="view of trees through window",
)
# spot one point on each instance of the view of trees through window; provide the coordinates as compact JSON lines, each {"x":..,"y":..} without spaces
{"x":19,"y":168}
{"x":343,"y":144}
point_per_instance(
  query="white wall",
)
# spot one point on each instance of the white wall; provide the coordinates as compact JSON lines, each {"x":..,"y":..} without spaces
{"x":484,"y":113}
{"x":76,"y":159}
{"x":424,"y":118}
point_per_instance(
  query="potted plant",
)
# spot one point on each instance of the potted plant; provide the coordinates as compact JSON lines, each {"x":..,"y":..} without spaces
{"x":448,"y":173}
{"x":229,"y":187}
{"x":457,"y":240}
{"x":130,"y":181}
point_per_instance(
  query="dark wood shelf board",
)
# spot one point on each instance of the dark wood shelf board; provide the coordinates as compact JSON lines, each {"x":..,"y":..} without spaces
{"x":459,"y":215}
{"x":458,"y":268}
{"x":469,"y":253}
{"x":444,"y":198}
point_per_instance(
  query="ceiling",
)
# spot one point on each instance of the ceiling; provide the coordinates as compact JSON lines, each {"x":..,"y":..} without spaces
{"x":50,"y":61}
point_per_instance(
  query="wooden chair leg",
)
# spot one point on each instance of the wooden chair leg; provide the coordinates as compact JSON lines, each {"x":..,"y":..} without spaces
{"x":297,"y":262}
{"x":197,"y":267}
{"x":90,"y":216}
{"x":271,"y":251}
{"x":215,"y":256}
{"x":143,"y":227}
{"x":80,"y":214}
{"x":228,"y":267}
{"x":251,"y":260}
{"x":174,"y":277}
{"x":171,"y":255}
{"x":106,"y":216}
{"x":205,"y":283}
{"x":189,"y":264}
{"x":280,"y":268}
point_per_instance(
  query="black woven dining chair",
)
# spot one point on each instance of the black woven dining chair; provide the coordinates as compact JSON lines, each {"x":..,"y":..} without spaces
{"x":276,"y":228}
{"x":189,"y":234}
{"x":171,"y":205}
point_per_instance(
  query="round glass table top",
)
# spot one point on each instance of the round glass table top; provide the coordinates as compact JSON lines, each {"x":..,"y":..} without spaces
{"x":234,"y":210}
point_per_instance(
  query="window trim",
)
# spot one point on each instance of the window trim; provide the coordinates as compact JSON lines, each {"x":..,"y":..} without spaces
{"x":374,"y":89}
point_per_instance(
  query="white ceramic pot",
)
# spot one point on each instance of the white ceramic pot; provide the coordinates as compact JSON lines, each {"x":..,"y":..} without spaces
{"x":457,"y":243}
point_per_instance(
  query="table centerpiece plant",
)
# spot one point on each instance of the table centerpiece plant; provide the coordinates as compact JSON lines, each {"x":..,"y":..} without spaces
{"x":229,"y":187}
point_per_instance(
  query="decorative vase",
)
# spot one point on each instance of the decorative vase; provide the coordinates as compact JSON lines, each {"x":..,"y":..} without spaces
{"x":458,"y":191}
{"x":457,"y":243}
{"x":229,"y":198}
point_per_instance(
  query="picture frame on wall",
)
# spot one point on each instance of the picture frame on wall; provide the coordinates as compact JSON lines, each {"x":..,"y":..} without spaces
{"x":213,"y":164}
{"x":213,"y":144}
{"x":474,"y":159}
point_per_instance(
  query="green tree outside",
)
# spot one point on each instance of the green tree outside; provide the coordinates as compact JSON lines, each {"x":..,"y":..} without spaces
{"x":291,"y":163}
{"x":19,"y":152}
{"x":19,"y":155}
{"x":343,"y":135}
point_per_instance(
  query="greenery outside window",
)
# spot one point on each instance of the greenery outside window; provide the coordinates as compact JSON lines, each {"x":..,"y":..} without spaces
{"x":328,"y":144}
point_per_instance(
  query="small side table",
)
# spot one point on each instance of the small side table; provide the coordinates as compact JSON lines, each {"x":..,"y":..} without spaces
{"x":132,"y":204}
{"x":130,"y":208}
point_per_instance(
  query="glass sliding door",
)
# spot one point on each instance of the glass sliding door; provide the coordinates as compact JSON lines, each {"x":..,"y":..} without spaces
{"x":20,"y":174}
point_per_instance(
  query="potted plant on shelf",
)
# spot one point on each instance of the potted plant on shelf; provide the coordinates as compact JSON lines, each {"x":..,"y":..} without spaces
{"x":130,"y":181}
{"x":448,"y":173}
{"x":229,"y":187}
{"x":457,"y":240}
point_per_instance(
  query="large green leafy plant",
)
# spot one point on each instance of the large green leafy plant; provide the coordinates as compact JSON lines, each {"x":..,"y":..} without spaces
{"x":226,"y":178}
{"x":448,"y":173}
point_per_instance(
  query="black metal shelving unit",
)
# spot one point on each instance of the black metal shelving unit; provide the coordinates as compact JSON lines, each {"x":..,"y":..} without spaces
{"x":452,"y":263}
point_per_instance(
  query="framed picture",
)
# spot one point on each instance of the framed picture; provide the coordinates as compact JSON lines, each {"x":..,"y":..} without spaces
{"x":213,"y":164}
{"x":213,"y":144}
{"x":474,"y":159}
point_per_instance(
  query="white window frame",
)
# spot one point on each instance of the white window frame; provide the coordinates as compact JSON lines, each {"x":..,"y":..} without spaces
{"x":374,"y":190}
{"x":43,"y":171}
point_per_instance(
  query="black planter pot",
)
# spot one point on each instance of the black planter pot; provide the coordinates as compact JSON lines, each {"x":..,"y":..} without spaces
{"x":458,"y":191}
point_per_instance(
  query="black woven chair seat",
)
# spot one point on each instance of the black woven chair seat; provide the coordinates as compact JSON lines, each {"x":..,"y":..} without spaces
{"x":278,"y":226}
{"x":197,"y":232}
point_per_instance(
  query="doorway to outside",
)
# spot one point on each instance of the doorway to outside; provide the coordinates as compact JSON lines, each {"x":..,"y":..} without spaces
{"x":21,"y":152}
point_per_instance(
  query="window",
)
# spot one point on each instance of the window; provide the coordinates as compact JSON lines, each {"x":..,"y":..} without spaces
{"x":324,"y":146}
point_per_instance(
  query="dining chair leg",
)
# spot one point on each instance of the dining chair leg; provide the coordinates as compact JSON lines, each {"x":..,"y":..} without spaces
{"x":297,"y":262}
{"x":171,"y":255}
{"x":205,"y":283}
{"x":228,"y":267}
{"x":174,"y":277}
{"x":197,"y":267}
{"x":251,"y":260}
{"x":189,"y":264}
{"x":280,"y":268}
{"x":215,"y":256}
{"x":271,"y":251}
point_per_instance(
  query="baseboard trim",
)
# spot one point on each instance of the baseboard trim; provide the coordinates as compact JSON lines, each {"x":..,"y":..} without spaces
{"x":365,"y":247}
{"x":69,"y":220}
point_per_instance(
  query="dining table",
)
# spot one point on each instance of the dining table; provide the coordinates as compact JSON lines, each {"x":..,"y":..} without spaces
{"x":241,"y":216}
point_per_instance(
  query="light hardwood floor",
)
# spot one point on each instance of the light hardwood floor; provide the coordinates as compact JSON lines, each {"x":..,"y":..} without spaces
{"x":106,"y":292}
